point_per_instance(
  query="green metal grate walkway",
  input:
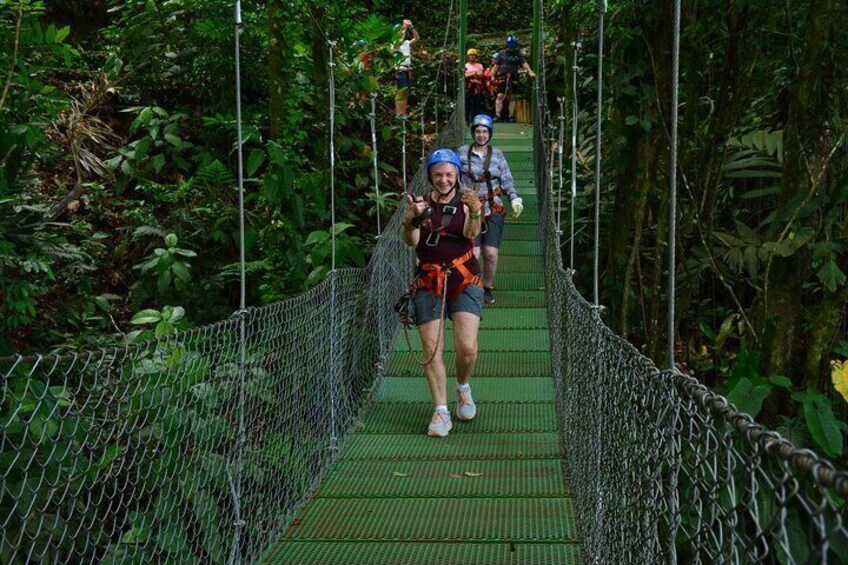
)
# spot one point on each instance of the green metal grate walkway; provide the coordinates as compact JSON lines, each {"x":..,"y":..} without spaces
{"x":494,"y":491}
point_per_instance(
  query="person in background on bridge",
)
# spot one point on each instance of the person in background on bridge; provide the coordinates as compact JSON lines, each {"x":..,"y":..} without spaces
{"x":447,"y":282}
{"x":491,"y":87}
{"x":404,"y":69}
{"x":474,"y":85}
{"x":510,"y":59}
{"x":487,"y":173}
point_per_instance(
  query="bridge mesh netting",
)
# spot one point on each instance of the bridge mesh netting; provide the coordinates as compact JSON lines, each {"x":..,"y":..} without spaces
{"x":662,"y":469}
{"x":197,"y":447}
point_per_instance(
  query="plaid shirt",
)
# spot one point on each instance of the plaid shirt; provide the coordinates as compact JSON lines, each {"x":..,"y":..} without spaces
{"x":501,"y":175}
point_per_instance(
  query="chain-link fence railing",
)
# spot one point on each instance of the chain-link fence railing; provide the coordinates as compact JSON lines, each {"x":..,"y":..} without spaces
{"x":197,"y":447}
{"x":663,"y":470}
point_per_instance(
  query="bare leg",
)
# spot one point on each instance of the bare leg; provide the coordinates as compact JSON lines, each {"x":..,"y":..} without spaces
{"x":402,"y":101}
{"x":435,"y":369}
{"x":490,"y":259}
{"x":512,"y":107}
{"x":465,"y":326}
{"x":499,"y":101}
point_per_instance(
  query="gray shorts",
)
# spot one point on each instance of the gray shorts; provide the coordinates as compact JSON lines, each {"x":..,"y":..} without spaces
{"x":428,"y":307}
{"x":494,"y":227}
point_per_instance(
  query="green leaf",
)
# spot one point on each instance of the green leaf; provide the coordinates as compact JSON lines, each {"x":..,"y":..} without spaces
{"x":164,"y":328}
{"x":181,"y":271}
{"x":276,"y":154}
{"x":177,"y":314}
{"x":631,"y":120}
{"x":254,"y":161}
{"x":146,"y":317}
{"x":340,"y":227}
{"x":158,"y":163}
{"x":317,"y":237}
{"x":747,"y":397}
{"x":831,"y":276}
{"x":174,"y":140}
{"x":163,"y":281}
{"x":823,"y":426}
{"x":61,"y":34}
{"x":317,"y":275}
{"x":171,"y":240}
{"x":760,"y":192}
{"x":780,"y":381}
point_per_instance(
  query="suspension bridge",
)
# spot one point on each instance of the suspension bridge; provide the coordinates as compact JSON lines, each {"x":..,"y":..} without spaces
{"x":294,"y":432}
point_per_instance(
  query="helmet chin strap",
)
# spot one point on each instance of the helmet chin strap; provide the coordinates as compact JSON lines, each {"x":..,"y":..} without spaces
{"x":448,"y":192}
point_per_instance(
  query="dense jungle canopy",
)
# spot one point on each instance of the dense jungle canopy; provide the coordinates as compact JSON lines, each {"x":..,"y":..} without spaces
{"x":118,"y":198}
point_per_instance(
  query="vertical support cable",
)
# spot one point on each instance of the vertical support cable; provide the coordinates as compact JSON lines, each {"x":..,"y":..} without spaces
{"x":551,"y":162}
{"x":672,"y":231}
{"x":436,"y":103}
{"x":333,"y":273}
{"x":598,"y":139}
{"x":403,"y":120}
{"x":374,"y":157}
{"x":238,"y":522}
{"x":332,"y":87}
{"x":536,"y":56}
{"x":560,"y":139}
{"x":575,"y":69}
{"x":377,"y":273}
{"x":672,"y":496}
{"x":423,"y":141}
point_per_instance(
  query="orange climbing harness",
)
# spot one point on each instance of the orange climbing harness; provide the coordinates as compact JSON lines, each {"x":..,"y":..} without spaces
{"x":434,"y":276}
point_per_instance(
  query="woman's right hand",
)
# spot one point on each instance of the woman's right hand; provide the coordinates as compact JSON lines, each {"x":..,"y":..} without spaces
{"x":415,"y":207}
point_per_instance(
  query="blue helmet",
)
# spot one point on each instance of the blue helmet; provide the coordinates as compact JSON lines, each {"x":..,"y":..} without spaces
{"x":485,"y":121}
{"x":511,"y":42}
{"x":444,"y":155}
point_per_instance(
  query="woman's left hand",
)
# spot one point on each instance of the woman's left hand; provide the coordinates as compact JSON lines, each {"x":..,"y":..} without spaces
{"x":470,"y":199}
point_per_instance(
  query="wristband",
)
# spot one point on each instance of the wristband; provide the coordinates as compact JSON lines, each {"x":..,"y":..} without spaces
{"x":474,"y":215}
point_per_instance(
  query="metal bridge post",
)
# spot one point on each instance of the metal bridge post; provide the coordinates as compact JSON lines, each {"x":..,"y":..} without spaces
{"x":460,"y":68}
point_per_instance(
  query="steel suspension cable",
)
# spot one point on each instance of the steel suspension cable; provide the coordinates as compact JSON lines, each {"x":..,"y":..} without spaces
{"x":598,"y":139}
{"x":560,"y":140}
{"x":238,"y":522}
{"x":333,"y":274}
{"x":672,"y":231}
{"x":403,"y":153}
{"x":373,"y":117}
{"x":575,"y":69}
{"x":332,"y":149}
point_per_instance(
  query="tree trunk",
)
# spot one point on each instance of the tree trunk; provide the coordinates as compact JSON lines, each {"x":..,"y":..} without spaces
{"x":648,"y":180}
{"x":807,"y":140}
{"x":825,"y":331}
{"x":277,"y":79}
{"x":655,"y":323}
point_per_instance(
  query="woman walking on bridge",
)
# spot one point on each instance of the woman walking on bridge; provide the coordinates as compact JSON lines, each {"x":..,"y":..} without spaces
{"x":447,"y":282}
{"x":487,"y":173}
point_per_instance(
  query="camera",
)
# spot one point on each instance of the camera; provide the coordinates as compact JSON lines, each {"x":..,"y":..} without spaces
{"x":419,"y":219}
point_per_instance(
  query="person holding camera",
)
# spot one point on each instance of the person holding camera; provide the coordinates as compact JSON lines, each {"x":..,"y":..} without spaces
{"x":404,"y":69}
{"x":442,"y":228}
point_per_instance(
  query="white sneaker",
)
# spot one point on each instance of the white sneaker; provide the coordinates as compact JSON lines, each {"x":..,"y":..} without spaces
{"x":440,"y":425}
{"x":465,"y":407}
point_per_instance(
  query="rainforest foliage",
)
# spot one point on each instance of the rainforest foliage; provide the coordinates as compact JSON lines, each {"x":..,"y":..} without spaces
{"x":119,"y":201}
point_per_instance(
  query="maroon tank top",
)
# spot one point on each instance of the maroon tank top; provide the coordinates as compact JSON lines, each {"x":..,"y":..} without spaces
{"x":451,"y":244}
